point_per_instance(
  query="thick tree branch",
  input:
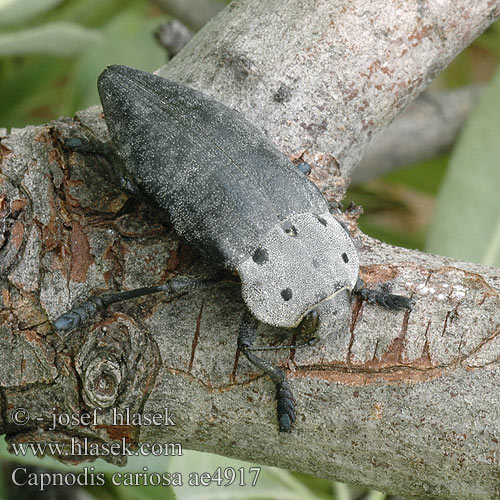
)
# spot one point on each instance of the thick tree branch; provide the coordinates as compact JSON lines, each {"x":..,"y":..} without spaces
{"x":405,"y":402}
{"x":327,"y":77}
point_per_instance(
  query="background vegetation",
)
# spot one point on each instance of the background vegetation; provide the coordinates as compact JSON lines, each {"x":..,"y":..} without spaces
{"x":51,"y":52}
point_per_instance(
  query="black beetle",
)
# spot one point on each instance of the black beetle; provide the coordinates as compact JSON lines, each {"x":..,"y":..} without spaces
{"x":237,"y":199}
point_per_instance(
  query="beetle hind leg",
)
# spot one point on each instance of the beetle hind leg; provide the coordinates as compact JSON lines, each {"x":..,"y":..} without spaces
{"x":285,"y":403}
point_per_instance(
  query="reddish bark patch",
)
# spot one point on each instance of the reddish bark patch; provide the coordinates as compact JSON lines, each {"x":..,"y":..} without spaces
{"x":298,"y":156}
{"x":50,"y":232}
{"x":374,"y":274}
{"x":185,"y":255}
{"x":17,"y":234}
{"x":17,"y":206}
{"x":360,"y":378}
{"x":417,"y":36}
{"x":80,"y":250}
{"x":173,"y":260}
{"x":118,"y":432}
{"x":394,"y":353}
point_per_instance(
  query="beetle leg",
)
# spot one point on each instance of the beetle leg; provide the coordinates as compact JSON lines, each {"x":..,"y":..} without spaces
{"x":87,"y":146}
{"x":304,"y":167}
{"x":285,"y":404}
{"x":78,"y":315}
{"x":307,"y":329}
{"x":307,"y":343}
{"x":383,"y":298}
{"x":93,"y":146}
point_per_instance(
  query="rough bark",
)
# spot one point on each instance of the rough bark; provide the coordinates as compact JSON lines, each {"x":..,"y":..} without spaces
{"x":404,"y":402}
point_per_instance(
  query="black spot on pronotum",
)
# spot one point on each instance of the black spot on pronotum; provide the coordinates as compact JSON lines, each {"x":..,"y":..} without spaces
{"x":315,"y":263}
{"x":321,"y":220}
{"x":286,"y":294}
{"x":283,"y":94}
{"x":260,"y":256}
{"x":345,"y":258}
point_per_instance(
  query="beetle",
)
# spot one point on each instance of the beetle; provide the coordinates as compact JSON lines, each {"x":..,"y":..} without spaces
{"x":234,"y":196}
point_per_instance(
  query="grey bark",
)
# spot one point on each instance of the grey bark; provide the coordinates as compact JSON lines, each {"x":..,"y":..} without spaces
{"x":429,"y":126}
{"x":404,"y":402}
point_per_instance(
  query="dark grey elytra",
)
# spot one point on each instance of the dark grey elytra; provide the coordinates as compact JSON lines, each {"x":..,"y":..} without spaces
{"x":237,"y":199}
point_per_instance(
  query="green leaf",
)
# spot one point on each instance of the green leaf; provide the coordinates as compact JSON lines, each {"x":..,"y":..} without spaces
{"x":127,"y":39}
{"x":375,"y":495}
{"x":466,"y":222}
{"x":17,"y":11}
{"x":342,"y":491}
{"x":62,"y":39}
{"x":490,"y":39}
{"x":271,"y":482}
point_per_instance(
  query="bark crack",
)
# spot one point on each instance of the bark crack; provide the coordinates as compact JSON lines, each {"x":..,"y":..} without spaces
{"x":195,"y":337}
{"x":356,"y":311}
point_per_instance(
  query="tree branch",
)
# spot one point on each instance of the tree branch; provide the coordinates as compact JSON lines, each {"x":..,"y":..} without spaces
{"x":405,"y":402}
{"x":429,"y":126}
{"x":326,"y":77}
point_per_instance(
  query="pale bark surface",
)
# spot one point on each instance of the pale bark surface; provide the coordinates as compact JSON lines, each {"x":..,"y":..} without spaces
{"x":404,"y":402}
{"x":429,"y":126}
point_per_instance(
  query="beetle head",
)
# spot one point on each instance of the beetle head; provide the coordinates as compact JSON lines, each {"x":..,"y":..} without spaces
{"x":304,"y":261}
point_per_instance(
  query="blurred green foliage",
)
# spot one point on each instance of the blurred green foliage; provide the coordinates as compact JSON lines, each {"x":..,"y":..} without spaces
{"x":51,"y":52}
{"x":466,"y":223}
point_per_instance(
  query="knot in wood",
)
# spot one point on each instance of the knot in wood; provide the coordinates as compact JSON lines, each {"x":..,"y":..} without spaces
{"x":117,"y":364}
{"x":101,"y":382}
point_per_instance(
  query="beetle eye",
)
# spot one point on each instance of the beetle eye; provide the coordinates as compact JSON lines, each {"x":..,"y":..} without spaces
{"x":309,"y":324}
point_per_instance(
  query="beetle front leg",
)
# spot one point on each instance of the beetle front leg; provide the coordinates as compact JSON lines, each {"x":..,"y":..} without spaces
{"x":89,"y":146}
{"x":285,"y":404}
{"x":93,"y":146}
{"x":383,"y":298}
{"x":78,"y":315}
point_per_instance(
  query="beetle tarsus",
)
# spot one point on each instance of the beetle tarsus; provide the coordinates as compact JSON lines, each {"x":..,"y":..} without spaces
{"x":383,"y":298}
{"x":285,"y":404}
{"x":80,"y":314}
{"x":304,"y":167}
